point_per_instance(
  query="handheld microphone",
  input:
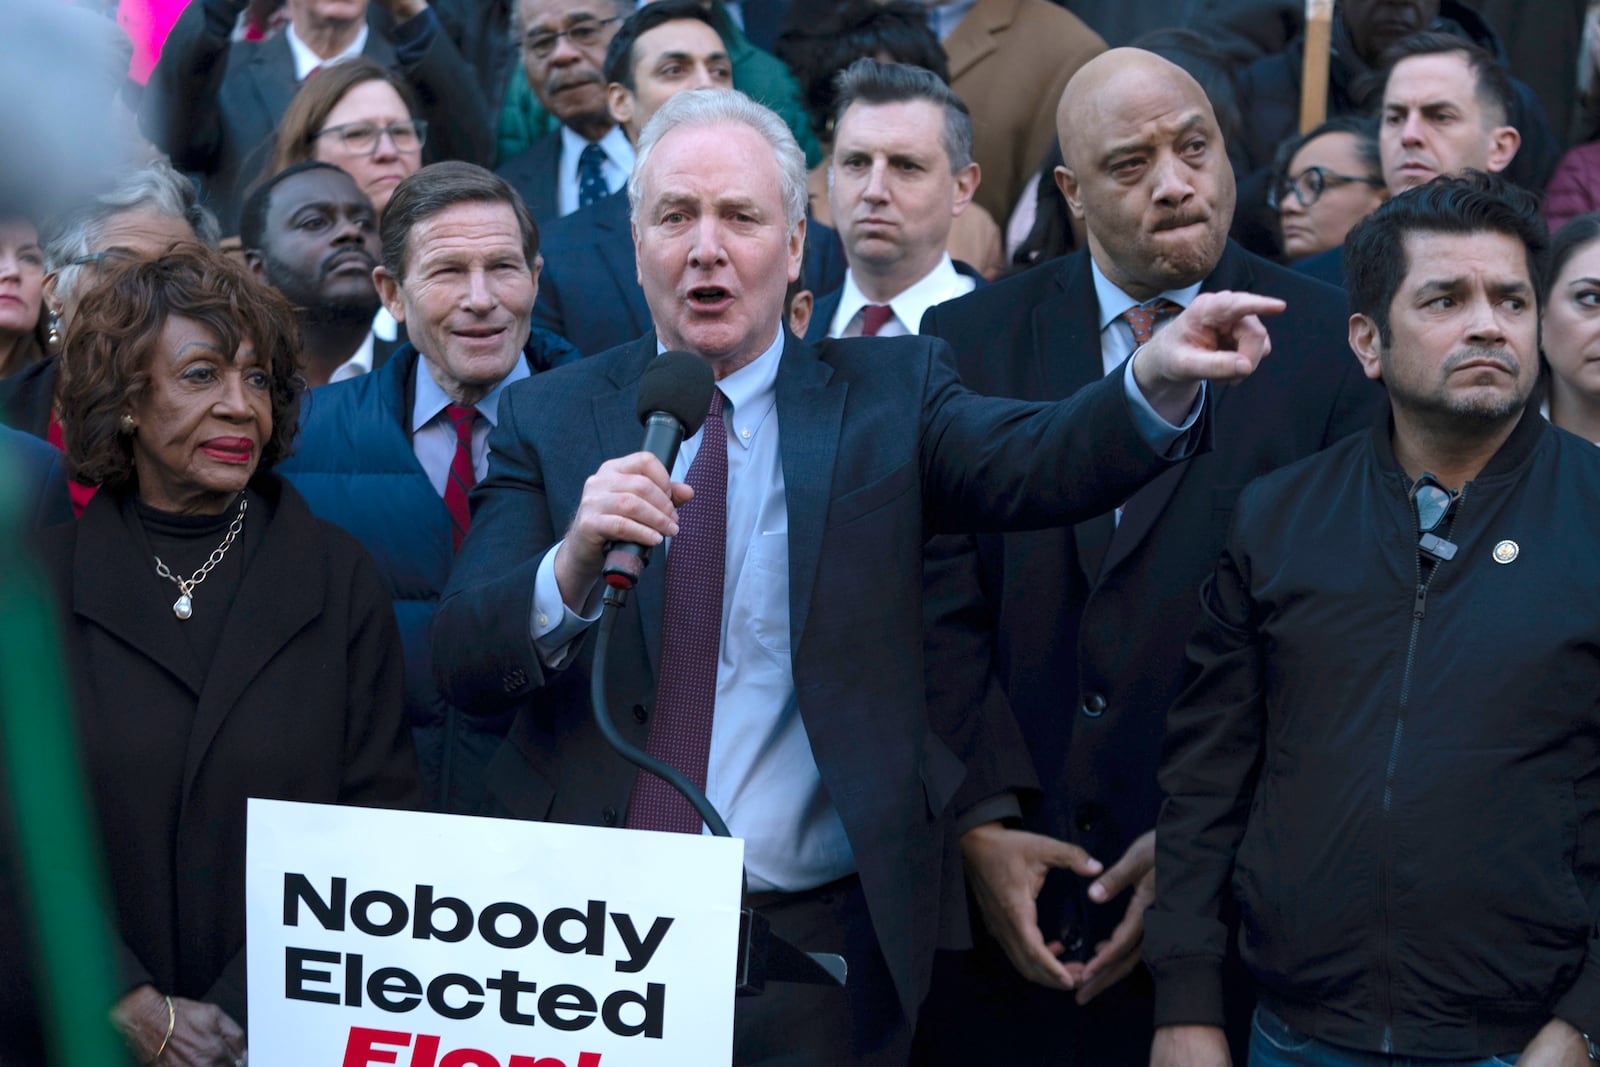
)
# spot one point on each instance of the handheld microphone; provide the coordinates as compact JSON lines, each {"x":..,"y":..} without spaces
{"x":674,"y":397}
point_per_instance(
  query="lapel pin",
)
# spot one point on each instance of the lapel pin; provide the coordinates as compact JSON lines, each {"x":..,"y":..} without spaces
{"x":1505,"y":551}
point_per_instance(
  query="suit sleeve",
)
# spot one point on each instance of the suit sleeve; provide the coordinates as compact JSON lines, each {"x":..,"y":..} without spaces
{"x":448,"y":94}
{"x":483,"y":654}
{"x":1212,"y":758}
{"x":993,"y":464}
{"x":180,"y":112}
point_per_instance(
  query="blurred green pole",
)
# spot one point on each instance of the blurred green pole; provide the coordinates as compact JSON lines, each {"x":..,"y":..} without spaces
{"x":60,"y":860}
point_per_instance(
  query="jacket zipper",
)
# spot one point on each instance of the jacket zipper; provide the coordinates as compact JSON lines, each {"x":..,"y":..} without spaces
{"x":1419,"y":611}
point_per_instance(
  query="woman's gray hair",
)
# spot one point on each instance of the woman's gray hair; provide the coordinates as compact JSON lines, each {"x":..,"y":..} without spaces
{"x":696,"y":108}
{"x":155,"y":187}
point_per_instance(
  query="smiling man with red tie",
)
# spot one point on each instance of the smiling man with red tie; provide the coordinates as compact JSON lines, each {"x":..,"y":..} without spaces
{"x":392,"y":455}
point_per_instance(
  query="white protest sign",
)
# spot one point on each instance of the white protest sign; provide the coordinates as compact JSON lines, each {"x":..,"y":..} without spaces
{"x":423,"y":940}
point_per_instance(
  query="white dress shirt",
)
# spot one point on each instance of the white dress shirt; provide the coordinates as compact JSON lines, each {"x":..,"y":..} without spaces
{"x":941,"y":283}
{"x":306,"y":61}
{"x":615,"y":169}
{"x":433,"y":436}
{"x":356,"y":365}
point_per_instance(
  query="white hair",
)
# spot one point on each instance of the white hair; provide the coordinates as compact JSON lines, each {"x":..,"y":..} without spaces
{"x":156,"y":187}
{"x":699,"y":108}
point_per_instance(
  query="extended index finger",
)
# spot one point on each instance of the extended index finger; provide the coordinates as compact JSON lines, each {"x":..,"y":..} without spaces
{"x":1227,"y":306}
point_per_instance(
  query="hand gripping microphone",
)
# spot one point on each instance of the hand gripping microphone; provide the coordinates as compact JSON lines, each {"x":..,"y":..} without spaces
{"x":674,"y":397}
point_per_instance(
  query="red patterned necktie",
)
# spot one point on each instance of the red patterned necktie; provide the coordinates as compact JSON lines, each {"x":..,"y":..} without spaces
{"x":691,"y":639}
{"x":462,"y":474}
{"x":1143,"y":317}
{"x":873,"y":316}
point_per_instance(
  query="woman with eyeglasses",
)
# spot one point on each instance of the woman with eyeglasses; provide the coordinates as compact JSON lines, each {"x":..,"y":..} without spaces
{"x":1326,"y":182}
{"x":1570,"y":378}
{"x":362,"y":119}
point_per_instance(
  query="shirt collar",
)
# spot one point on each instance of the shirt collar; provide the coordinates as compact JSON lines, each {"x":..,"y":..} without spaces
{"x":751,"y":391}
{"x":306,"y":61}
{"x":431,"y":400}
{"x":356,"y":365}
{"x":934,"y":287}
{"x":615,"y":144}
{"x":1113,"y":301}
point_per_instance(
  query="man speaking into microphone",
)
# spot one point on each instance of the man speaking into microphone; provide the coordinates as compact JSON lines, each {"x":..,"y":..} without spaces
{"x":775,"y":653}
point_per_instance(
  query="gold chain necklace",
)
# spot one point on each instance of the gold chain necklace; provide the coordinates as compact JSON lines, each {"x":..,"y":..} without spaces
{"x":183,"y":607}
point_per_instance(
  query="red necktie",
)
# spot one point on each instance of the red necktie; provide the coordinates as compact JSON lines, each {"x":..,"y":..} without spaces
{"x":691,"y":639}
{"x":873,"y":316}
{"x":1143,"y":317}
{"x":463,"y":476}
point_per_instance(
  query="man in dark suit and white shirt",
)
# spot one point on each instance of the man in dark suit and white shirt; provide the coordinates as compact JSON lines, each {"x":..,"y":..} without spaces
{"x":830,"y":462}
{"x":1091,"y":668}
{"x":900,"y":173}
{"x":563,"y":51}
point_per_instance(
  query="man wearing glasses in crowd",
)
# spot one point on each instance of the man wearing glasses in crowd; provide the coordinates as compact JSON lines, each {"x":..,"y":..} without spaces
{"x":1388,"y":755}
{"x":589,"y":157}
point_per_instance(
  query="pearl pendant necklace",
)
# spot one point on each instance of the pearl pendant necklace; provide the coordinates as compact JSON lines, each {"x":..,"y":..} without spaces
{"x":183,"y":607}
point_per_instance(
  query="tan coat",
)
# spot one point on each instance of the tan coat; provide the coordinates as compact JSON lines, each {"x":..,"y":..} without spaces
{"x":1009,"y":60}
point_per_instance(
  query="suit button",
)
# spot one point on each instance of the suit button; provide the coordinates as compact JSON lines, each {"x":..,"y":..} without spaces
{"x":639,"y":714}
{"x":609,"y":816}
{"x":1094,"y":705}
{"x":1072,"y":938}
{"x":514,"y":680}
{"x":1087,"y":818}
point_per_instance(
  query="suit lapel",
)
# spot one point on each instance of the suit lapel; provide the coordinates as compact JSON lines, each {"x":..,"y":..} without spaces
{"x":971,"y":43}
{"x":110,"y":588}
{"x":810,"y":415}
{"x":282,"y":591}
{"x":1144,"y":507}
{"x":272,"y":77}
{"x":615,"y":244}
{"x":1066,"y":333}
{"x":616,"y":421}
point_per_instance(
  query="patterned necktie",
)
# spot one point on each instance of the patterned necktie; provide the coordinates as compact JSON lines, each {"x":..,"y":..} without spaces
{"x":591,"y":179}
{"x":463,"y":476}
{"x":873,"y":316}
{"x":1144,"y":317}
{"x":691,"y":639}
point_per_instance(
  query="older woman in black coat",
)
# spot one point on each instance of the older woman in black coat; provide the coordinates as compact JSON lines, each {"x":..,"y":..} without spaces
{"x":223,"y":643}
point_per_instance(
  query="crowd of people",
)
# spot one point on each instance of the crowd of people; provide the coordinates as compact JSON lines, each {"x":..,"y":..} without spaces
{"x":1105,"y":594}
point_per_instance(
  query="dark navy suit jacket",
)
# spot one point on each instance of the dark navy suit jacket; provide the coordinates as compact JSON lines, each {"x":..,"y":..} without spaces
{"x":534,"y":173}
{"x":880,"y":444}
{"x":1092,"y":667}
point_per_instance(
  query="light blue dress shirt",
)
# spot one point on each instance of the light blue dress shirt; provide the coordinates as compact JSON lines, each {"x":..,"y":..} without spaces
{"x":1116,"y":336}
{"x":433,"y":437}
{"x":762,"y":775}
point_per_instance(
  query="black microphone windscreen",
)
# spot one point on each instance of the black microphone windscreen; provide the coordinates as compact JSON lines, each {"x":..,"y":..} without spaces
{"x":680,"y":384}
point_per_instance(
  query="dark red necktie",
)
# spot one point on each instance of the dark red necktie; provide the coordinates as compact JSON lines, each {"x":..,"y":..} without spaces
{"x":462,"y":474}
{"x":873,"y":316}
{"x":691,"y":639}
{"x":1144,"y":317}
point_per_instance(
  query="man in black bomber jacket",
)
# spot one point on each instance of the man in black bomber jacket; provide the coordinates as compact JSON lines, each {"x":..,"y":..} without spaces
{"x":1390,"y":754}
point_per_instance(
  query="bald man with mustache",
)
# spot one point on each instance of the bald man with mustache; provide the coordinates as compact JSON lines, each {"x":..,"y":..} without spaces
{"x":1088,"y":623}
